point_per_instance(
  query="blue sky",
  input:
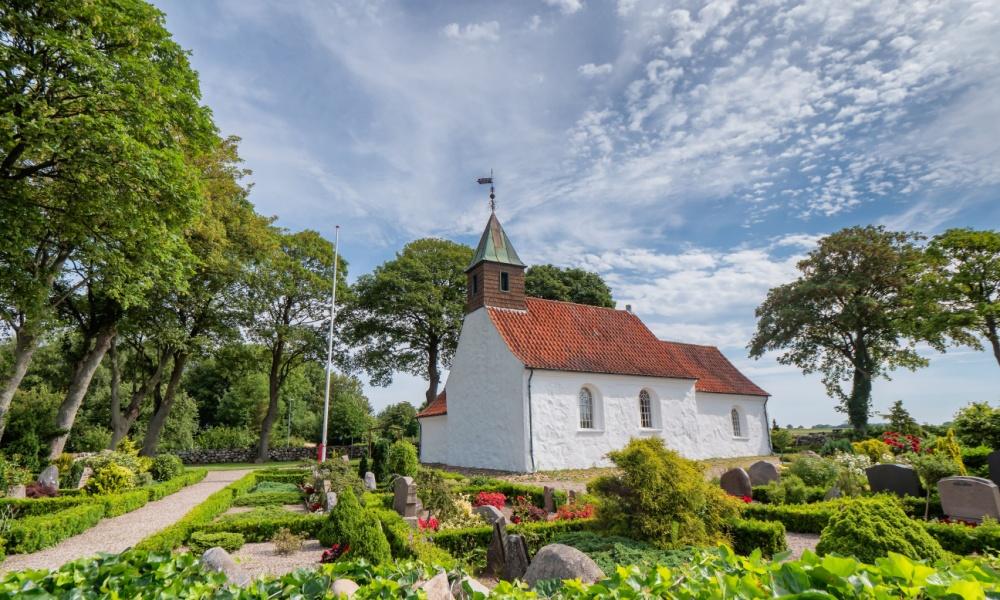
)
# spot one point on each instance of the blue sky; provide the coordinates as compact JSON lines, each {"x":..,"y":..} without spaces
{"x":689,"y":152}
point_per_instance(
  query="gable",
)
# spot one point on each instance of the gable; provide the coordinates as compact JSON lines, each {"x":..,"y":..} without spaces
{"x":713,"y":370}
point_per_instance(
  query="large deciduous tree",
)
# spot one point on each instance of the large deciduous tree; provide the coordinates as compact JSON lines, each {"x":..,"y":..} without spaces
{"x":407,"y":314}
{"x":99,"y":109}
{"x":847,"y":314}
{"x":568,"y":285}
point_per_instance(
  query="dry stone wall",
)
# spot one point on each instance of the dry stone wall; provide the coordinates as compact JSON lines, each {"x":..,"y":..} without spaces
{"x":206,"y":456}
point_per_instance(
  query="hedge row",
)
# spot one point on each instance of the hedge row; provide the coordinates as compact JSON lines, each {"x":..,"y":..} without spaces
{"x":964,"y":540}
{"x":762,"y":493}
{"x":268,"y":499}
{"x":34,"y":533}
{"x":469,"y":545}
{"x":748,"y":535}
{"x":404,"y":542}
{"x":511,"y":490}
{"x":295,"y":476}
{"x":800,"y":518}
{"x":262,"y":529}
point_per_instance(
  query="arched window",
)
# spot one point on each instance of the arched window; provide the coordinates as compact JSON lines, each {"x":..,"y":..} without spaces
{"x":586,"y":409}
{"x":645,"y":410}
{"x":735,"y":416}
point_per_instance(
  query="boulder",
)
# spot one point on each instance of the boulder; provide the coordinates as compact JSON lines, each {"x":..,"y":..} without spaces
{"x":736,"y":482}
{"x":437,"y":587}
{"x":558,"y":561}
{"x":458,"y":588}
{"x":370,"y":484}
{"x":832,"y":493}
{"x":763,"y":473}
{"x":49,"y":477}
{"x":218,"y":560}
{"x":343,"y":588}
{"x":515,"y":551}
{"x":491,"y":514}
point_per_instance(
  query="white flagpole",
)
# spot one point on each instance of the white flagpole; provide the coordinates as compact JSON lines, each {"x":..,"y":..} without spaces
{"x":329,"y":344}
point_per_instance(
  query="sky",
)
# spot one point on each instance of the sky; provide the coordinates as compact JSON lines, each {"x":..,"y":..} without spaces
{"x":689,"y":152}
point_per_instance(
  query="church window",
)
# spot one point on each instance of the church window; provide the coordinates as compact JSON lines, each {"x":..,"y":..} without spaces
{"x":645,"y":410}
{"x":735,"y":416}
{"x":504,"y":281}
{"x":475,"y":284}
{"x":586,"y":409}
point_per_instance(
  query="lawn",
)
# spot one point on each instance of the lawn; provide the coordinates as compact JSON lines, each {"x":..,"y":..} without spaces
{"x":241,"y":466}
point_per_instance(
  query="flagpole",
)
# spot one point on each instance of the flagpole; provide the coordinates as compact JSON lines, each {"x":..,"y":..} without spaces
{"x":329,"y":344}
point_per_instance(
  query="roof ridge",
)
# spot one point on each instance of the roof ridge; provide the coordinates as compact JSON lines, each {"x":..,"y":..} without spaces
{"x":613,"y":309}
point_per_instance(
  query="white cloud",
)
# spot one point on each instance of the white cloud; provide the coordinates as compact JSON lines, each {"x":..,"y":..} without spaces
{"x":488,"y":31}
{"x":592,"y":70}
{"x":567,"y":7}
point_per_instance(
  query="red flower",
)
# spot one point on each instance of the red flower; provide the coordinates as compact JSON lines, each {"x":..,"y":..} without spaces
{"x":497,"y":499}
{"x":334,"y":552}
{"x":569,"y":512}
{"x":746,"y":499}
{"x":429,"y":523}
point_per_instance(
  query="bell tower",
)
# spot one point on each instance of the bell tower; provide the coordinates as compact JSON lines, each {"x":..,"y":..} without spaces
{"x":495,"y":277}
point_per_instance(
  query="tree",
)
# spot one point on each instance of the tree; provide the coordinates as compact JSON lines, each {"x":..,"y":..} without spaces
{"x":846,"y":314}
{"x":350,"y":411}
{"x":407,"y":314}
{"x":400,"y":417}
{"x":961,"y":289}
{"x":978,"y":424}
{"x":98,"y":110}
{"x":288,"y":306}
{"x":568,"y":285}
{"x":900,"y":420}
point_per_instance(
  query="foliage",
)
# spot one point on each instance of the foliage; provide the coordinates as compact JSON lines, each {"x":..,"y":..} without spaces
{"x":269,"y":486}
{"x":31,"y":534}
{"x":495,"y":499}
{"x":524,"y":511}
{"x":402,"y":459}
{"x":285,"y":542}
{"x":974,"y":458}
{"x":847,"y":316}
{"x":363,"y":466}
{"x":948,"y":445}
{"x":978,"y":423}
{"x":380,"y":452}
{"x":899,"y":419}
{"x":468,"y":545}
{"x":901,"y":443}
{"x":749,"y":536}
{"x":790,"y":489}
{"x":610,"y":551}
{"x":166,"y":466}
{"x":871,"y":528}
{"x":660,"y":497}
{"x":435,"y":494}
{"x":349,"y":523}
{"x":569,"y":512}
{"x":224,"y":438}
{"x":230,"y":542}
{"x":110,"y":478}
{"x":782,"y":440}
{"x":399,"y":418}
{"x":814,"y":471}
{"x":852,"y":480}
{"x":774,"y":492}
{"x":350,"y":411}
{"x":831,"y":447}
{"x":932,"y":468}
{"x":263,"y":522}
{"x":341,"y":477}
{"x":874,"y":449}
{"x":269,"y":499}
{"x":12,"y":473}
{"x":568,"y":285}
{"x":963,"y":539}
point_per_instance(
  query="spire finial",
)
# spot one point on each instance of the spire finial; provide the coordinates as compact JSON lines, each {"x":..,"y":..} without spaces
{"x":493,"y":196}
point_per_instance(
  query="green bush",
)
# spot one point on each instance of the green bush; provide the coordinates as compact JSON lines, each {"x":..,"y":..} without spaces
{"x":978,"y":423}
{"x":34,"y":533}
{"x":119,"y":504}
{"x":363,"y":466}
{"x":351,"y":524}
{"x":342,"y":477}
{"x":831,"y":447}
{"x":270,"y":486}
{"x":974,"y":459}
{"x":782,"y":440}
{"x":749,"y":535}
{"x":512,"y":490}
{"x":468,"y":545}
{"x":814,"y":471}
{"x":230,"y":542}
{"x":292,"y":476}
{"x":609,"y":551}
{"x":402,"y":459}
{"x":380,"y":452}
{"x":225,"y":438}
{"x":660,"y":497}
{"x":800,"y":518}
{"x":166,"y":466}
{"x":871,"y":528}
{"x":963,"y":539}
{"x":165,"y":488}
{"x":268,"y":498}
{"x":262,"y":523}
{"x":777,"y":492}
{"x":110,"y":478}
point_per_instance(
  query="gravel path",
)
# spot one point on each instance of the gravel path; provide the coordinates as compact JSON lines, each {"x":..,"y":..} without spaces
{"x":119,"y":533}
{"x":799,"y":542}
{"x":261,"y":559}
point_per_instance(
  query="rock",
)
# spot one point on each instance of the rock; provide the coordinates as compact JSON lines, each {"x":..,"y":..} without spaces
{"x":571,"y":496}
{"x":85,"y":476}
{"x":515,"y":551}
{"x":558,"y":561}
{"x":763,"y":473}
{"x":458,"y":588}
{"x":736,"y":482}
{"x":218,"y":560}
{"x":49,"y":477}
{"x":437,"y":587}
{"x":343,"y":587}
{"x":370,"y":484}
{"x":17,"y":491}
{"x":832,"y":493}
{"x":495,"y":553}
{"x":491,"y":514}
{"x":550,"y":501}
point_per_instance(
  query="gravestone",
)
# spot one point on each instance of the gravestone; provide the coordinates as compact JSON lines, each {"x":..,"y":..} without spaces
{"x":571,"y":496}
{"x":993,"y":460}
{"x":85,"y":475}
{"x":496,"y":551}
{"x":329,"y":501}
{"x":969,"y":498}
{"x":763,"y":473}
{"x":490,"y":514}
{"x":370,"y":484}
{"x":17,"y":491}
{"x":550,"y":501}
{"x":49,"y":477}
{"x":436,"y":588}
{"x":901,"y":480}
{"x":559,"y":562}
{"x":218,"y":560}
{"x":405,"y":501}
{"x":736,"y":482}
{"x":345,"y":458}
{"x":516,"y":562}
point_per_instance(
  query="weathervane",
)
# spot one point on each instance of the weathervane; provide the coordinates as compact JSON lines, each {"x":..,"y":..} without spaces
{"x":493,"y":196}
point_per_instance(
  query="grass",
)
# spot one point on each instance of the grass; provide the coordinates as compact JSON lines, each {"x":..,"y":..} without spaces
{"x":242,"y":466}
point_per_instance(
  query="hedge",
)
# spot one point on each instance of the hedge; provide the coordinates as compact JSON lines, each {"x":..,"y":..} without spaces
{"x":283,"y":476}
{"x":268,"y":499}
{"x":469,"y":545}
{"x":800,"y":518}
{"x":262,"y":529}
{"x":230,"y":542}
{"x":512,"y":490}
{"x":762,"y":493}
{"x":34,"y":533}
{"x":963,"y":539}
{"x":165,"y":488}
{"x":405,"y":542}
{"x":748,"y":535}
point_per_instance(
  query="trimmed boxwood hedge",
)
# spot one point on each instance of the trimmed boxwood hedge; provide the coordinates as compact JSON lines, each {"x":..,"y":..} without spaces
{"x":511,"y":490}
{"x":963,"y":539}
{"x":469,"y":545}
{"x":230,"y":542}
{"x":262,"y":528}
{"x":295,"y":476}
{"x":748,"y":535}
{"x":268,"y":499}
{"x":34,"y":533}
{"x":762,"y":493}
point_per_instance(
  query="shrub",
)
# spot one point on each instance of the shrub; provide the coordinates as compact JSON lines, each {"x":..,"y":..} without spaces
{"x":495,"y":499}
{"x":948,"y":446}
{"x":800,"y":518}
{"x":341,"y":477}
{"x":749,"y":535}
{"x":268,"y":499}
{"x":40,"y":490}
{"x":262,"y":523}
{"x":814,"y":470}
{"x":380,"y":452}
{"x":110,"y":478}
{"x":963,"y":539}
{"x":851,"y":479}
{"x":265,"y":487}
{"x":348,"y":523}
{"x":932,"y":468}
{"x":285,"y":542}
{"x":975,"y":460}
{"x":870,"y":528}
{"x":166,"y":466}
{"x":34,"y":533}
{"x":402,"y":459}
{"x":782,"y":440}
{"x":978,"y":423}
{"x":874,"y":449}
{"x":831,"y":447}
{"x":363,"y":466}
{"x":609,"y":551}
{"x":575,"y":511}
{"x":12,"y":473}
{"x":660,"y":497}
{"x":230,"y":542}
{"x":224,"y":438}
{"x":436,"y":495}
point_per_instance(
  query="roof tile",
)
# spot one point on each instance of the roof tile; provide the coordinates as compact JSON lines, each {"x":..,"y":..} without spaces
{"x":714,"y":371}
{"x":437,"y":407}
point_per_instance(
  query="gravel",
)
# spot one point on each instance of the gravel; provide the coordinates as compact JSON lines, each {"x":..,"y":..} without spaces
{"x":799,"y":542}
{"x":261,"y":559}
{"x":120,"y":533}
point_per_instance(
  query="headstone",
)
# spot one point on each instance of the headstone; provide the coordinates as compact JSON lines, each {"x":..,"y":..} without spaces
{"x":969,"y":498}
{"x":515,"y":551}
{"x":217,"y":559}
{"x":496,"y":556}
{"x":49,"y":477}
{"x":370,"y":484}
{"x":326,"y":486}
{"x":736,"y":482}
{"x":490,"y":514}
{"x":993,"y":460}
{"x":550,"y":501}
{"x":557,"y":561}
{"x":85,"y":475}
{"x":437,"y":587}
{"x":458,"y":588}
{"x":571,"y":496}
{"x":405,"y":500}
{"x":17,"y":491}
{"x":343,"y":587}
{"x":832,"y":493}
{"x":763,"y":473}
{"x":901,"y":480}
{"x":345,"y":458}
{"x":329,"y":501}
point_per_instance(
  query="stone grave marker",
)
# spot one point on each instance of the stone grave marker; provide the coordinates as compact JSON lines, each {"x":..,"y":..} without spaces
{"x":405,"y":501}
{"x":901,"y":480}
{"x":571,"y":496}
{"x":496,"y":556}
{"x":515,"y":558}
{"x":49,"y":477}
{"x":736,"y":482}
{"x":370,"y":484}
{"x":345,"y":458}
{"x":969,"y":498}
{"x":329,"y":501}
{"x":550,"y":501}
{"x":490,"y":514}
{"x":17,"y":491}
{"x":763,"y":473}
{"x":993,"y":460}
{"x":85,"y":475}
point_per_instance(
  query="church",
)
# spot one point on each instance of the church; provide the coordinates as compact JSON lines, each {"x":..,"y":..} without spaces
{"x":538,"y":385}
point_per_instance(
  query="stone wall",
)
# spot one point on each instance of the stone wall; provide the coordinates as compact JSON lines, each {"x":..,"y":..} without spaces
{"x":200,"y":457}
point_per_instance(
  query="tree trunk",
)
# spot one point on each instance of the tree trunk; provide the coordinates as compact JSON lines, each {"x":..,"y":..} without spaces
{"x":159,"y":419}
{"x":121,"y":423}
{"x":433,"y":375}
{"x":83,"y":372}
{"x":273,"y":387}
{"x":991,"y":334}
{"x":24,"y":349}
{"x":861,"y":393}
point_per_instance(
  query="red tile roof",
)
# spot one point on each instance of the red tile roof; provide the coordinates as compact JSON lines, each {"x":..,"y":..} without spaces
{"x":563,"y":336}
{"x":437,"y":407}
{"x":714,"y":371}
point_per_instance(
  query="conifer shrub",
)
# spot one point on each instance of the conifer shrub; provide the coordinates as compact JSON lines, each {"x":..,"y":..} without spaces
{"x":872,"y":448}
{"x":948,"y":446}
{"x":661,"y":498}
{"x":870,"y":528}
{"x":228,"y":541}
{"x":380,"y":452}
{"x":402,"y":459}
{"x":363,"y":466}
{"x":348,"y":523}
{"x":110,"y":478}
{"x":166,"y":466}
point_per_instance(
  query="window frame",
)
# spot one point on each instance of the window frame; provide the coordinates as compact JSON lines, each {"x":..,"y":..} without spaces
{"x":504,"y":281}
{"x":475,"y":283}
{"x":591,"y":409}
{"x":646,"y":415}
{"x":736,"y":422}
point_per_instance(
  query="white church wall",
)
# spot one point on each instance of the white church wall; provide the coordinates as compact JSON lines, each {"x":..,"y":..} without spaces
{"x":559,"y":443}
{"x":486,"y":419}
{"x":716,"y":426}
{"x":434,"y":439}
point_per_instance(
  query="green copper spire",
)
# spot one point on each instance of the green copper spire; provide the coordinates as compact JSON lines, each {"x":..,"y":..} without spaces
{"x":494,"y":246}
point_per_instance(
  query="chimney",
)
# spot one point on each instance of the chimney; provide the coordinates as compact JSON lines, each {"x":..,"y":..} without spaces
{"x":628,"y":308}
